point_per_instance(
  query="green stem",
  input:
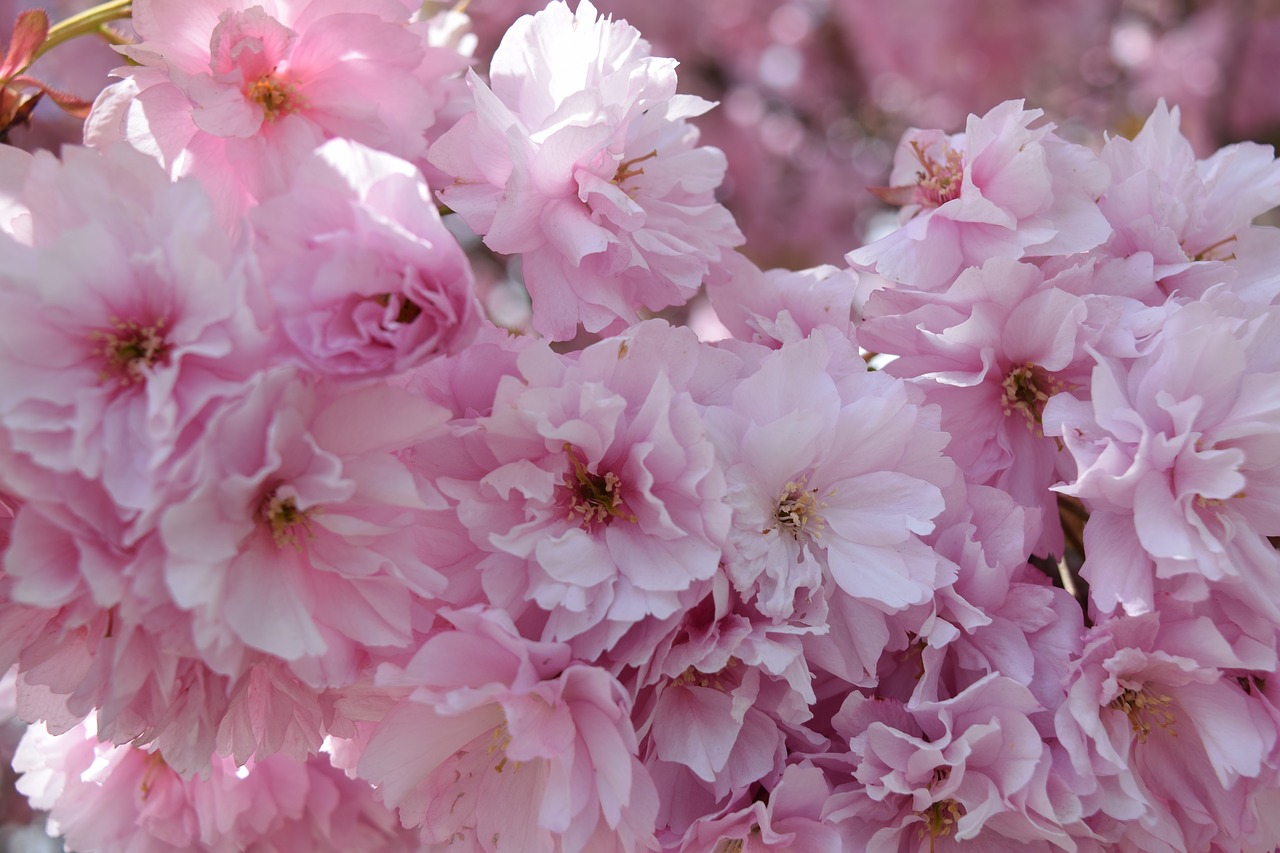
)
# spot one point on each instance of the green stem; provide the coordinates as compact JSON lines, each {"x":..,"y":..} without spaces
{"x":89,"y":22}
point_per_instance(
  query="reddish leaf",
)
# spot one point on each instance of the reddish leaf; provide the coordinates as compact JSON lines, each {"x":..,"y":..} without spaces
{"x":29,"y":32}
{"x":71,"y":104}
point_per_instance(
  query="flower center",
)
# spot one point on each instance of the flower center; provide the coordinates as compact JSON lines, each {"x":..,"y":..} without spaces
{"x":130,"y":348}
{"x":275,"y":96}
{"x":593,"y":499}
{"x":284,"y":518}
{"x":627,"y":168}
{"x":407,"y":310}
{"x":498,"y":746}
{"x":155,"y":765}
{"x":797,"y":510}
{"x":1145,"y":712}
{"x":938,"y":183}
{"x":940,"y":819}
{"x":718,"y":680}
{"x":1026,"y":389}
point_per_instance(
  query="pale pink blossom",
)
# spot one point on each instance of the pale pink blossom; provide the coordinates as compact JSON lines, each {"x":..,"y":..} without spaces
{"x":720,"y":704}
{"x":1165,"y":746}
{"x":973,"y":768}
{"x":1176,"y":455}
{"x":779,"y":306}
{"x":232,"y":91}
{"x":1000,"y":615}
{"x":990,"y":352}
{"x":594,"y":487}
{"x":791,"y":819}
{"x":365,"y":278}
{"x":834,"y":475}
{"x":580,"y":160}
{"x":505,"y":744}
{"x":297,"y":537}
{"x":1001,"y":189}
{"x":129,"y":315}
{"x":124,"y":798}
{"x":1190,"y":215}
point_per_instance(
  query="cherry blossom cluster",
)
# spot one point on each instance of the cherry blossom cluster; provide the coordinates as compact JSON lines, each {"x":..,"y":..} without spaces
{"x":966,"y":544}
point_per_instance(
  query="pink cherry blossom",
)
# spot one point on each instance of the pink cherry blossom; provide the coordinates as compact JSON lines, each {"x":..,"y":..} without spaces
{"x":595,"y":489}
{"x":504,"y":744}
{"x":365,"y":278}
{"x":1192,"y":216}
{"x":791,"y":819}
{"x":834,"y":474}
{"x":1002,"y":189}
{"x":579,"y":159}
{"x":990,"y":352}
{"x":232,"y":91}
{"x":297,"y":537}
{"x":123,"y":798}
{"x":128,"y":317}
{"x":1167,"y":746}
{"x":779,"y":306}
{"x":969,"y":769}
{"x":1176,"y":463}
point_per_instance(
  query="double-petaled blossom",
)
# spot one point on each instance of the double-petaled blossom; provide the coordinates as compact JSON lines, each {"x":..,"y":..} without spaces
{"x":778,"y":306}
{"x":233,"y":91}
{"x":365,"y":278}
{"x":578,"y":157}
{"x":297,"y":537}
{"x":1001,"y":189}
{"x":595,"y":490}
{"x":835,"y":473}
{"x":503,"y":744}
{"x":1176,"y":454}
{"x":790,"y":819}
{"x":1192,"y":218}
{"x":125,"y":313}
{"x":973,"y":769}
{"x":113,"y":799}
{"x":1166,"y":732}
{"x":991,"y":352}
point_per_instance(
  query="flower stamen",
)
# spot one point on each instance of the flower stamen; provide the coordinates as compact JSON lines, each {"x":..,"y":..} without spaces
{"x":1146,"y":711}
{"x":284,"y":519}
{"x":625,"y":168}
{"x":1027,"y":388}
{"x":940,"y":819}
{"x":130,"y":348}
{"x":593,"y":499}
{"x":275,"y":96}
{"x":797,"y":510}
{"x":938,"y":183}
